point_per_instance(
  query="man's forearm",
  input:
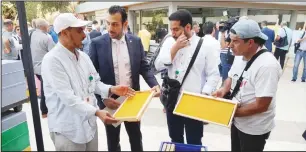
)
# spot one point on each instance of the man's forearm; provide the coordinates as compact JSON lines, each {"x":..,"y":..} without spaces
{"x":173,"y":51}
{"x":247,"y":110}
{"x":227,"y":85}
{"x":259,"y":106}
{"x":7,"y":48}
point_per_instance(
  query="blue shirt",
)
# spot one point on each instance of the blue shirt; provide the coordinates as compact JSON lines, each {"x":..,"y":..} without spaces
{"x":271,"y":35}
{"x":53,"y":35}
{"x":86,"y":43}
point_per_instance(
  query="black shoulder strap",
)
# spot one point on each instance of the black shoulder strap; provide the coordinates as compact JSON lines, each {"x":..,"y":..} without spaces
{"x":285,"y":31}
{"x":195,"y":54}
{"x":303,"y":34}
{"x":237,"y":87}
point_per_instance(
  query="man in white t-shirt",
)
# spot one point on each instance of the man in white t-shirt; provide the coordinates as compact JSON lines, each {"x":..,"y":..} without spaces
{"x":300,"y":54}
{"x":254,"y":116}
{"x":280,"y":52}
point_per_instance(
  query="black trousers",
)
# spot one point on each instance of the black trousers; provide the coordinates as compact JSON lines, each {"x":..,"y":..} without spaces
{"x":133,"y":131}
{"x":43,"y":107}
{"x":242,"y":142}
{"x":193,"y":129}
{"x":281,"y":55}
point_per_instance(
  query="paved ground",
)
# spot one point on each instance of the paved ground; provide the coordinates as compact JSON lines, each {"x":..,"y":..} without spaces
{"x":290,"y":123}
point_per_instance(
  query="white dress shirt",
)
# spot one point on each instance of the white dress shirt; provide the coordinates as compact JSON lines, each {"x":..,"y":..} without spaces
{"x":70,"y":83}
{"x":123,"y":54}
{"x":204,"y":75}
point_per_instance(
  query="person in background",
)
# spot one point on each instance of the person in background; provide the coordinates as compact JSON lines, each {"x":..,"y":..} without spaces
{"x":9,"y":51}
{"x":86,"y":41}
{"x":95,"y":24}
{"x":70,"y":83}
{"x":103,"y":28}
{"x":95,"y":31}
{"x":225,"y":53}
{"x":280,"y":52}
{"x":270,"y":33}
{"x":41,"y":43}
{"x":127,"y":30}
{"x":119,"y":58}
{"x":209,"y":31}
{"x":196,"y":27}
{"x":88,"y":28}
{"x":53,"y":34}
{"x":145,"y":37}
{"x":300,"y":54}
{"x":33,"y":26}
{"x":18,"y":41}
{"x":217,"y":31}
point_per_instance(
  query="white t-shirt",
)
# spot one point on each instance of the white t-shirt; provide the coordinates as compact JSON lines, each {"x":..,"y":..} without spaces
{"x":225,"y":50}
{"x":303,"y":43}
{"x":260,"y":80}
{"x":282,"y":33}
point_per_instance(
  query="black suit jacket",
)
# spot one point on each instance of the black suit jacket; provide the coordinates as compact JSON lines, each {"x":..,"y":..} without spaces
{"x":101,"y":56}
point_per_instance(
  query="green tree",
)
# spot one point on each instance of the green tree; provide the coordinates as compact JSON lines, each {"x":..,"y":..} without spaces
{"x":9,"y":10}
{"x":53,"y":6}
{"x":31,"y":10}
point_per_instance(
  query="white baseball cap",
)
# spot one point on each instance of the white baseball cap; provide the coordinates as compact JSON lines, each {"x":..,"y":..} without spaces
{"x":65,"y":20}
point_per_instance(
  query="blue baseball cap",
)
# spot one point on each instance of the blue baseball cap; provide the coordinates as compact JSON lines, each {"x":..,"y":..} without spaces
{"x":247,"y":28}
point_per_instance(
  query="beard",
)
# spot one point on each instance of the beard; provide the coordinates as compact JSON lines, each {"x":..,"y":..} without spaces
{"x":176,"y":37}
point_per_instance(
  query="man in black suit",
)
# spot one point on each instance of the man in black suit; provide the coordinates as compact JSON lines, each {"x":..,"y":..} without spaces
{"x":119,"y":58}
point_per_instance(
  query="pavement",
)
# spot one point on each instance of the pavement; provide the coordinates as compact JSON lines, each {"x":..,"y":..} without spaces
{"x":286,"y":136}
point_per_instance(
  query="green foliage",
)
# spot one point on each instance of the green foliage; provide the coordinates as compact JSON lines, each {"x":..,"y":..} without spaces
{"x":53,"y":6}
{"x":9,"y":10}
{"x":31,"y":10}
{"x":157,"y":21}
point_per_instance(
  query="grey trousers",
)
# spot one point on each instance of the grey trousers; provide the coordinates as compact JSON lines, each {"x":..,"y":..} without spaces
{"x":62,"y":143}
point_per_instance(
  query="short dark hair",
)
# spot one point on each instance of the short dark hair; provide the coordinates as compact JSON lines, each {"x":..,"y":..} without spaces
{"x":183,"y":16}
{"x":94,"y":22}
{"x":118,"y":9}
{"x":208,"y":27}
{"x":257,"y":40}
{"x":265,"y":22}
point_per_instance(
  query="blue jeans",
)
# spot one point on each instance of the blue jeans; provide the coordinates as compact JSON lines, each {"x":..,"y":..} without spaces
{"x":298,"y":57}
{"x":225,"y":67}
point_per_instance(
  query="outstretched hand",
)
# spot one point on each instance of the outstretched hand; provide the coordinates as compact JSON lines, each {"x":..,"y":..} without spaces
{"x":122,"y":90}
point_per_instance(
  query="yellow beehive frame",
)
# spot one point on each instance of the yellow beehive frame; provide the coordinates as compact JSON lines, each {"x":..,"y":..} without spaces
{"x":233,"y":103}
{"x":139,"y":114}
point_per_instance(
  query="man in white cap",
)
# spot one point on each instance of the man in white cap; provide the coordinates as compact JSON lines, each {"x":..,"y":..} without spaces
{"x":253,"y":81}
{"x":70,"y":82}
